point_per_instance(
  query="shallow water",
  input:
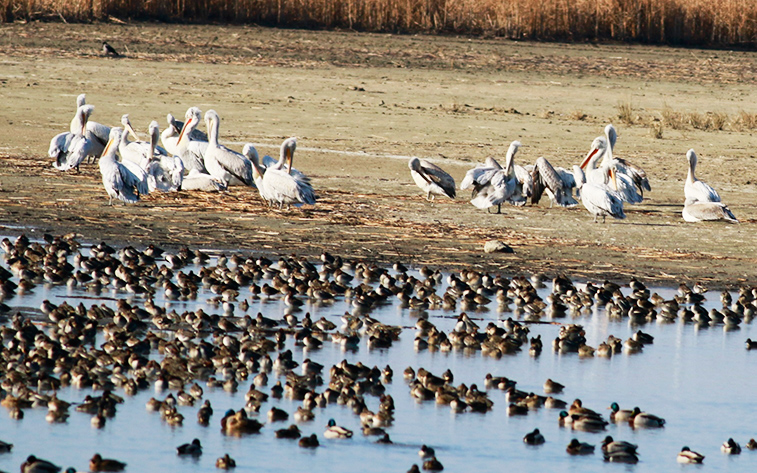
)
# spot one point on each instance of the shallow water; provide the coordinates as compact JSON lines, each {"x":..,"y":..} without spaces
{"x":698,"y":379}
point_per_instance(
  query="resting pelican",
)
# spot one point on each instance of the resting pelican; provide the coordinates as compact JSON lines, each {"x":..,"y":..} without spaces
{"x":164,"y":172}
{"x":623,"y":185}
{"x":170,"y":136}
{"x":701,"y":211}
{"x":119,"y":182}
{"x":140,"y":152}
{"x":632,"y":180}
{"x":70,"y":149}
{"x":431,"y":179}
{"x":190,"y":150}
{"x":598,"y":200}
{"x":199,"y":181}
{"x":276,"y":184}
{"x":61,"y":144}
{"x":223,"y":163}
{"x":694,"y":189}
{"x":558,"y":183}
{"x":493,"y":184}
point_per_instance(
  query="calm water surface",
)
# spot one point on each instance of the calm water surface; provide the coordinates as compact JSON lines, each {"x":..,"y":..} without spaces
{"x":701,"y":380}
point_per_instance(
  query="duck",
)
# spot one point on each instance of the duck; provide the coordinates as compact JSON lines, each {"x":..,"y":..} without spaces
{"x":5,"y":447}
{"x":226,"y":462}
{"x":553,"y":387}
{"x":309,"y":442}
{"x":98,"y":463}
{"x":38,"y":465}
{"x":579,"y":448}
{"x":751,"y":344}
{"x":334,"y":431}
{"x":194,"y":448}
{"x":385,"y":440}
{"x":291,"y":432}
{"x":730,"y":447}
{"x":618,"y":415}
{"x":534,"y":438}
{"x":237,"y":423}
{"x":621,"y":457}
{"x":432,"y":464}
{"x":612,"y":446}
{"x":686,"y":455}
{"x":752,"y":444}
{"x":644,"y":419}
{"x":426,"y":451}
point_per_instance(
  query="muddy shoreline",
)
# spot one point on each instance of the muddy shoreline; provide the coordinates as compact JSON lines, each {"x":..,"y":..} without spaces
{"x":358,"y":103}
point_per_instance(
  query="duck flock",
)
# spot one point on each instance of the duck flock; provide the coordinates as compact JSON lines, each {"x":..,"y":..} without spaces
{"x":109,"y":353}
{"x":191,"y":160}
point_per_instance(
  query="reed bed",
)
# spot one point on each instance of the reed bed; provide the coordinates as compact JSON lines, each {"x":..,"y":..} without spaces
{"x":680,"y":22}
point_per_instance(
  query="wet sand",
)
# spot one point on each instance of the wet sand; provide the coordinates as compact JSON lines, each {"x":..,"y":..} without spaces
{"x":359,"y":105}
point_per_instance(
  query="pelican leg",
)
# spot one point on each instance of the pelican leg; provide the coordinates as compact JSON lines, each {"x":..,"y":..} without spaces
{"x":499,"y":208}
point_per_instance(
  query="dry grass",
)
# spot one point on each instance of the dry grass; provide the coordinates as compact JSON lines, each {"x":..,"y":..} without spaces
{"x":693,"y":22}
{"x":626,"y":113}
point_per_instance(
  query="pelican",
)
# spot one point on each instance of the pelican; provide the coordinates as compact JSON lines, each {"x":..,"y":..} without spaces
{"x":694,"y":189}
{"x":276,"y":184}
{"x":701,"y":211}
{"x":119,"y":182}
{"x":61,"y":144}
{"x":631,"y":178}
{"x":71,"y":148}
{"x":164,"y":172}
{"x":598,"y":200}
{"x":170,"y":136}
{"x":431,"y":179}
{"x":199,"y":181}
{"x":140,"y":152}
{"x":558,"y":183}
{"x":191,"y":150}
{"x":223,"y":163}
{"x":493,"y":184}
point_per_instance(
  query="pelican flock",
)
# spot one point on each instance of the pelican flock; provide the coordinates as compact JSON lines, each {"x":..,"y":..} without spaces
{"x":191,"y":160}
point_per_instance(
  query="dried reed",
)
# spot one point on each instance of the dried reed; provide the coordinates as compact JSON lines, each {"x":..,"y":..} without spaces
{"x":692,"y":22}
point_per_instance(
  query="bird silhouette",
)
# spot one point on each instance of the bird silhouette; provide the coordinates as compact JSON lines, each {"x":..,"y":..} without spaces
{"x":108,"y":50}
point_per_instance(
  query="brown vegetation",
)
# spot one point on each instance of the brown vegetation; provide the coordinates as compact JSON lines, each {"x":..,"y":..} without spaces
{"x":692,"y":22}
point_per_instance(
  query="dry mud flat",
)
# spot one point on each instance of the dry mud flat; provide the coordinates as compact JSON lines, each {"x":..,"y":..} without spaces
{"x":360,"y":104}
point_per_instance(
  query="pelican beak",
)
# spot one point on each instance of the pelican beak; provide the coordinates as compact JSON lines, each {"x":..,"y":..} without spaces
{"x":424,"y":176}
{"x":186,"y":124}
{"x":107,"y":146}
{"x":132,"y":132}
{"x":289,"y":157}
{"x":588,"y":158}
{"x":613,"y":178}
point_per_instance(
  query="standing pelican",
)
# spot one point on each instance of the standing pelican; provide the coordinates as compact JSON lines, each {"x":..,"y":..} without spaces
{"x":623,"y":185}
{"x":170,"y":136}
{"x":75,"y":145}
{"x":493,"y":184}
{"x":695,"y":190}
{"x":192,"y":150}
{"x":558,"y":183}
{"x":119,"y":182}
{"x":431,"y":179}
{"x":598,"y":200}
{"x":140,"y":152}
{"x":164,"y":172}
{"x":223,"y":163}
{"x":278,"y":184}
{"x":632,"y":180}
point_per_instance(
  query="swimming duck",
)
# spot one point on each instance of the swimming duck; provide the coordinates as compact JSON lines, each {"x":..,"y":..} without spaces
{"x":644,"y":419}
{"x":731,"y":447}
{"x":309,"y":442}
{"x":553,"y":387}
{"x":5,"y":447}
{"x":426,"y":452}
{"x":237,"y":423}
{"x":751,"y":345}
{"x":432,"y":464}
{"x":579,"y":448}
{"x":226,"y":462}
{"x":291,"y":432}
{"x":194,"y":448}
{"x":385,"y":440}
{"x":612,"y":446}
{"x":98,"y":463}
{"x":752,"y":444}
{"x":38,"y":465}
{"x":334,"y":431}
{"x":534,"y":438}
{"x":618,"y":415}
{"x":688,"y":456}
{"x":277,"y":415}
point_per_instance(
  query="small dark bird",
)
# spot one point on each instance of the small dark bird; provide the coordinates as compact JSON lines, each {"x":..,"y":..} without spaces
{"x":108,"y":50}
{"x":98,"y":463}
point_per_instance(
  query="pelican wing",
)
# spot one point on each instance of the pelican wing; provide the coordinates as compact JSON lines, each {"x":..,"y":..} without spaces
{"x":60,"y":144}
{"x":638,"y":175}
{"x":545,"y":178}
{"x":599,"y":201}
{"x":79,"y":148}
{"x":99,"y":132}
{"x":199,"y":181}
{"x":699,"y":191}
{"x":282,"y":188}
{"x":439,"y":177}
{"x":134,"y":177}
{"x":234,"y":163}
{"x":701,"y":211}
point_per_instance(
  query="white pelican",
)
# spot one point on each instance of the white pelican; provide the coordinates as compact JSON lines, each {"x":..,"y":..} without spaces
{"x":191,"y":150}
{"x":164,"y":172}
{"x":275,"y":182}
{"x":598,"y":200}
{"x":61,"y":144}
{"x":558,"y":183}
{"x":701,"y":211}
{"x":632,"y":180}
{"x":431,"y":179}
{"x":223,"y":163}
{"x":492,"y":184}
{"x":70,"y":149}
{"x":170,"y":136}
{"x":119,"y":182}
{"x":140,"y":152}
{"x":200,"y":181}
{"x":694,"y":189}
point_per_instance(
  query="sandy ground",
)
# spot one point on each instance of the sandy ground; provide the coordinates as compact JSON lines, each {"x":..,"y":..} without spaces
{"x":360,"y":104}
